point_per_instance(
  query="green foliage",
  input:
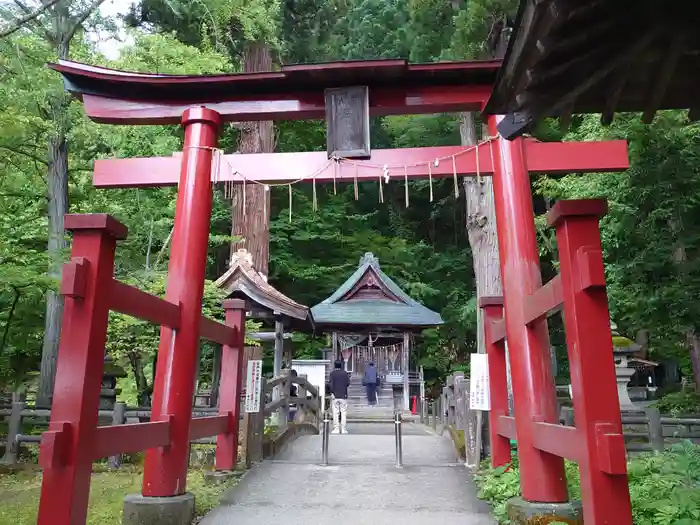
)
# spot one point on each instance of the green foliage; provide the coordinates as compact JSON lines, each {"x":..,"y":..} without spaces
{"x":20,"y":495}
{"x":679,"y":403}
{"x":664,"y":488}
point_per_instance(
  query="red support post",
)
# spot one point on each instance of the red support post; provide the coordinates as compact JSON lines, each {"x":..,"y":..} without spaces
{"x":604,"y":488}
{"x":492,"y":308}
{"x":231,"y":386}
{"x":66,"y":451}
{"x":165,"y":471}
{"x":542,"y":475}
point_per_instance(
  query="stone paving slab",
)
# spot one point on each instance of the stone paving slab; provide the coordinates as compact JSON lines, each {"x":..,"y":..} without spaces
{"x":361,"y":485}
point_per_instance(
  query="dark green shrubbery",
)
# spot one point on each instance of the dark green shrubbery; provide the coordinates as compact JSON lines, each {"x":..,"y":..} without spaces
{"x":679,"y":403}
{"x":665,"y":488}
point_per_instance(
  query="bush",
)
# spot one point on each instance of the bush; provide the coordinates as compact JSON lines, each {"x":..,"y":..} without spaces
{"x":664,"y":488}
{"x":679,"y":403}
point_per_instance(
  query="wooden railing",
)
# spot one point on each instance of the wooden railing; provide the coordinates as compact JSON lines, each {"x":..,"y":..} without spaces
{"x":19,"y":416}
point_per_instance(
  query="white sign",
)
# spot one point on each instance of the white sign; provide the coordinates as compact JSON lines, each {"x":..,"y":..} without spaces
{"x":479,"y":398}
{"x":253,"y":386}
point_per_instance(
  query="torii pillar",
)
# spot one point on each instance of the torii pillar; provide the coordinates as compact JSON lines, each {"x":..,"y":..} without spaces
{"x":542,"y":475}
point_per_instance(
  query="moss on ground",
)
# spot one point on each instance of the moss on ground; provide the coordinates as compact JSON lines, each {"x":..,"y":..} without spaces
{"x":19,"y":495}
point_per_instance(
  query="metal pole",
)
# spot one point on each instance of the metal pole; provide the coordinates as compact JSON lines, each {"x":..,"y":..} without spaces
{"x":435,"y":413}
{"x":397,"y":434}
{"x":325,"y":439}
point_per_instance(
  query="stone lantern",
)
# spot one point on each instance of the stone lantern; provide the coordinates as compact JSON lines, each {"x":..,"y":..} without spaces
{"x":109,"y":390}
{"x":623,"y":349}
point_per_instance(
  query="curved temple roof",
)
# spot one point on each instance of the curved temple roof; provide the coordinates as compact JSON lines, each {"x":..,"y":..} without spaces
{"x":243,"y":279}
{"x":382,"y":304}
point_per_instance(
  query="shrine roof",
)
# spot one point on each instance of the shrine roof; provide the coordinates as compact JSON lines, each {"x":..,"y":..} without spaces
{"x":242,"y":279}
{"x":94,"y":80}
{"x":370,"y":297}
{"x":597,"y":56}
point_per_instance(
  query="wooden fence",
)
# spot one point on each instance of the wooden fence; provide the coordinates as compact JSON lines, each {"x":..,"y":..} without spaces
{"x":644,"y":431}
{"x":305,"y":409}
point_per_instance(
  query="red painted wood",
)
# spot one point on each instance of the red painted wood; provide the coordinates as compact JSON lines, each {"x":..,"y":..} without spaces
{"x":230,"y":389}
{"x":217,"y":332}
{"x":202,"y":427}
{"x":165,"y":469}
{"x":66,"y":479}
{"x":559,"y":440}
{"x":130,"y":438}
{"x":294,"y":105}
{"x":497,"y":332}
{"x":604,"y":488}
{"x":542,"y":476}
{"x":506,"y":427}
{"x":74,"y":278}
{"x":544,"y":301}
{"x":552,"y":157}
{"x":95,"y":221}
{"x":131,"y":301}
{"x":564,"y":209}
{"x":492,"y":309}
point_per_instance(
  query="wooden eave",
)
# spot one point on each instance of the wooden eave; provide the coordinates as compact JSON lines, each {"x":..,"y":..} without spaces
{"x":241,"y":280}
{"x":597,"y":56}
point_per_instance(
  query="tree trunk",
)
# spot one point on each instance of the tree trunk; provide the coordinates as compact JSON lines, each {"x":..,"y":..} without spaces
{"x":251,"y":215}
{"x":481,"y":230}
{"x":57,"y":185}
{"x":694,"y":344}
{"x":143,"y":389}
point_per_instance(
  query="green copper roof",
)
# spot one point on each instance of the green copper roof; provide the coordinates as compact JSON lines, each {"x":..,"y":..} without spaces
{"x":379,"y":311}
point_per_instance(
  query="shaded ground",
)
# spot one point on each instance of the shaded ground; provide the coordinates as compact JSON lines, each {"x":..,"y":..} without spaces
{"x":361,"y":485}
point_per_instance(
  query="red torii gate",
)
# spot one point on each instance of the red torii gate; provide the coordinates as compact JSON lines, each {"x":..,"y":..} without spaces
{"x":201,"y":104}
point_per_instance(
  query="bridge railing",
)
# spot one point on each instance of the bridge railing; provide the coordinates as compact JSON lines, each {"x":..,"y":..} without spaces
{"x":74,"y":440}
{"x":305,"y":407}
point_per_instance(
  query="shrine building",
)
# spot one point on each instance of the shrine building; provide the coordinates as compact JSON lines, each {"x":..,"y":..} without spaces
{"x":372,"y":319}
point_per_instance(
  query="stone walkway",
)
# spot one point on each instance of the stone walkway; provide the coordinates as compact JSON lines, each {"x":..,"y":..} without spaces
{"x":360,"y":486}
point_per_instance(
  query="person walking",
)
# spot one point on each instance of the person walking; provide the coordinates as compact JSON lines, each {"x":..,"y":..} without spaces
{"x":339,"y":382}
{"x":371,"y":382}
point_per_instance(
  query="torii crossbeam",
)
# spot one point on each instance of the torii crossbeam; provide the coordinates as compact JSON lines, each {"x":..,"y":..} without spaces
{"x":390,"y":87}
{"x":541,"y":157}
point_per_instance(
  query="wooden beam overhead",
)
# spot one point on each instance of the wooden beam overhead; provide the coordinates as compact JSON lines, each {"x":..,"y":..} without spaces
{"x":618,"y":85}
{"x":667,"y":65}
{"x":279,"y":168}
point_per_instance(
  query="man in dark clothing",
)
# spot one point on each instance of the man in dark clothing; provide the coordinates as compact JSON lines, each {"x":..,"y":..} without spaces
{"x":338,"y":386}
{"x":371,"y":381}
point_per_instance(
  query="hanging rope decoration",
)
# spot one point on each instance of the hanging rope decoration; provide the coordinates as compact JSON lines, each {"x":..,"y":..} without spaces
{"x":454,"y":176}
{"x":430,"y":179}
{"x":335,"y":174}
{"x":355,"y":183}
{"x":405,"y":183}
{"x":384,"y":176}
{"x":478,"y":173}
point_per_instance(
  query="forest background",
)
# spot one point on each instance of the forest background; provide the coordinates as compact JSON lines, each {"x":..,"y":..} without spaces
{"x":651,"y":237}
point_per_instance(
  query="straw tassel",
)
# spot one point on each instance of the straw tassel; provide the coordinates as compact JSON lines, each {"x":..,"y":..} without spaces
{"x":315,"y":200}
{"x":430,"y":180}
{"x":454,"y":176}
{"x":355,"y":184}
{"x":405,"y":182}
{"x":289,"y":186}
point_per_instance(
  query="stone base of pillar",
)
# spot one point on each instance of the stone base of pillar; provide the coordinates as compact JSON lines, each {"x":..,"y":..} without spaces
{"x":174,"y":510}
{"x":521,"y":512}
{"x":219,"y":477}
